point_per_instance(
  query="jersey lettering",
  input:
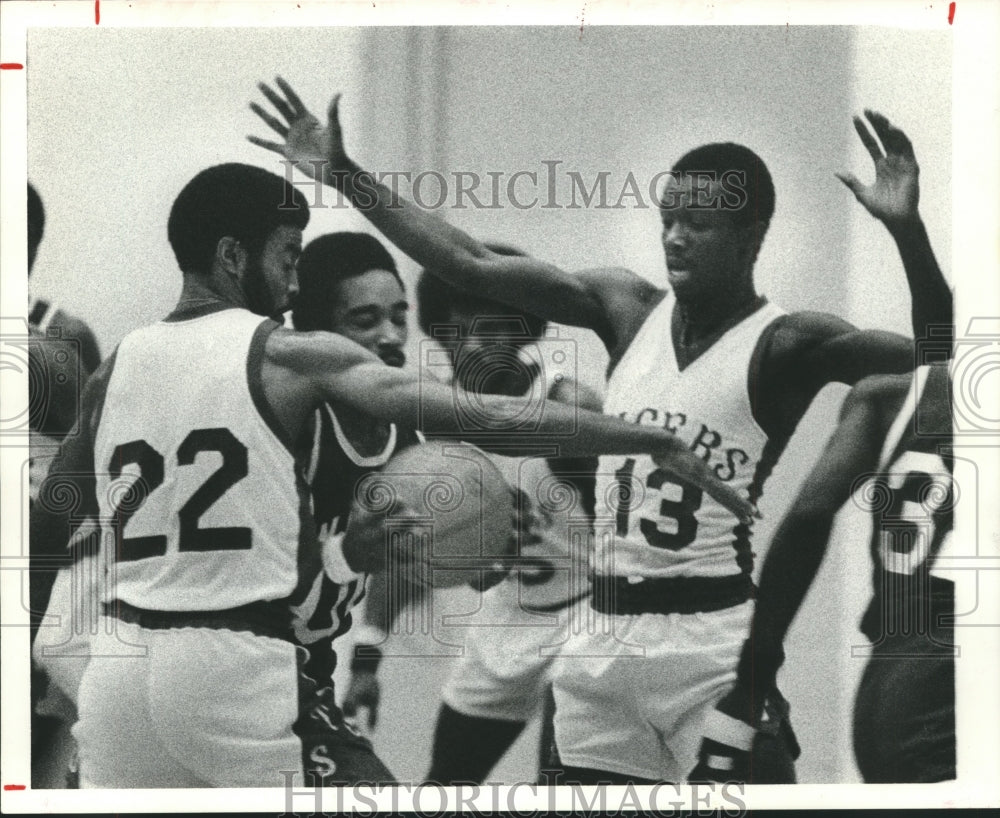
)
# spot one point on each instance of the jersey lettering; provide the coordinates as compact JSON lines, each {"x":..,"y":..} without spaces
{"x":918,"y":486}
{"x":324,"y":764}
{"x":677,"y":526}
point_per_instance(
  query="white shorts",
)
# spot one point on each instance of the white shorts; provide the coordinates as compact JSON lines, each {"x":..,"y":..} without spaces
{"x":631,"y":694}
{"x":508,"y":657}
{"x":205,"y":708}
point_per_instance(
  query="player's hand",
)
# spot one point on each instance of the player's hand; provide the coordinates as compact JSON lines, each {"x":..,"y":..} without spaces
{"x":316,"y":150}
{"x":363,"y":693}
{"x":895,"y":193}
{"x":727,"y":738}
{"x":690,"y":468}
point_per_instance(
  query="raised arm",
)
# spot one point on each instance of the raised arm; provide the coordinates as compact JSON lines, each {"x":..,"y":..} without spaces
{"x":790,"y":567}
{"x":893,"y":199}
{"x":318,"y":366}
{"x":525,"y":283}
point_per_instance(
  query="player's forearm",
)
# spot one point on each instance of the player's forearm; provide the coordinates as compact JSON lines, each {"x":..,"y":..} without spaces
{"x":791,"y":565}
{"x":932,"y":308}
{"x":420,"y":234}
{"x":521,"y":282}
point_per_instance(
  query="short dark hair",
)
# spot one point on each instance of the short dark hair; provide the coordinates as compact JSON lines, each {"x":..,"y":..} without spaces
{"x":719,"y":158}
{"x":327,"y":261}
{"x":240,"y":201}
{"x":36,"y":217}
{"x":435,"y":298}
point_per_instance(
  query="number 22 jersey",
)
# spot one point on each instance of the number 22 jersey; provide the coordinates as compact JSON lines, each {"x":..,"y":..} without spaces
{"x":194,"y":477}
{"x":648,"y":525}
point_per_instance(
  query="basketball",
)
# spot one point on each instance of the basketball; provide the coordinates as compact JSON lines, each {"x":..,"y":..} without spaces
{"x":448,"y":512}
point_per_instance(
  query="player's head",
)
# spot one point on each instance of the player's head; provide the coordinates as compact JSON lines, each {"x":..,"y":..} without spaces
{"x":36,"y":224}
{"x":349,"y":284}
{"x":243,"y":225}
{"x":483,"y":336}
{"x":715,"y":208}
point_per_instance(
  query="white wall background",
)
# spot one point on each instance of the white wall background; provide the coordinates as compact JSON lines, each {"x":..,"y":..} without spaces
{"x":120,"y":119}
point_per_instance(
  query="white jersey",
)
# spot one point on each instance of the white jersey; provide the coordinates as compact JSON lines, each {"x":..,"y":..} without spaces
{"x":217,"y":507}
{"x":647,"y":524}
{"x":553,"y":558}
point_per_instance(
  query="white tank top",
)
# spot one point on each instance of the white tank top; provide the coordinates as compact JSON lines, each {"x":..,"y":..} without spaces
{"x":216,"y":519}
{"x":647,"y":524}
{"x":554,"y":547}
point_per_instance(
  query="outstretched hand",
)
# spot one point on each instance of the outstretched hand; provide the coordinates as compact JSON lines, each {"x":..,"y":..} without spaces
{"x":316,"y":150}
{"x":894,"y":195}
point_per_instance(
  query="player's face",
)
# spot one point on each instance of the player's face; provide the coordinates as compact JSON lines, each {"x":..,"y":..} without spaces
{"x":276,"y":266}
{"x":705,"y":250}
{"x":372,"y":311}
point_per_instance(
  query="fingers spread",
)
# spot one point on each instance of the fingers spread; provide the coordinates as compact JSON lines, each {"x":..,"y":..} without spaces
{"x":277,"y":101}
{"x":293,"y":99}
{"x":893,"y":138}
{"x":263,"y":143}
{"x":272,"y":123}
{"x":867,"y":139}
{"x":851,"y":181}
{"x":333,"y":111}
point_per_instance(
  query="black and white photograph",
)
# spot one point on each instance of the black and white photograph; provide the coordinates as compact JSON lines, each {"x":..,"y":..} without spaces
{"x":464,"y":406}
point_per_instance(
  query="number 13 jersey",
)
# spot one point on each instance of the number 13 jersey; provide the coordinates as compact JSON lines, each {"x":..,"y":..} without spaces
{"x":648,"y":525}
{"x":205,"y":502}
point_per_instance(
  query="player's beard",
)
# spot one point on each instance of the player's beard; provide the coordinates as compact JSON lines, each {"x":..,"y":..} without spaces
{"x":259,"y":299}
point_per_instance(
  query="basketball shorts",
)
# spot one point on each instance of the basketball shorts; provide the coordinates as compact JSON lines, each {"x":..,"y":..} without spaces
{"x":632,"y":691}
{"x":208,"y":707}
{"x":904,"y":715}
{"x":508,"y":657}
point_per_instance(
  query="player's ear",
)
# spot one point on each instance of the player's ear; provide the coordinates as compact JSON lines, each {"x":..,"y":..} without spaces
{"x":231,"y":257}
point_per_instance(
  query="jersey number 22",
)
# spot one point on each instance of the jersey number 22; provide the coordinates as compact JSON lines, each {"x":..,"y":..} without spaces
{"x":151,"y":474}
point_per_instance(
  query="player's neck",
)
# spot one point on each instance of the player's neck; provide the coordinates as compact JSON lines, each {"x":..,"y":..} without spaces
{"x":701,"y":320}
{"x":204,"y":290}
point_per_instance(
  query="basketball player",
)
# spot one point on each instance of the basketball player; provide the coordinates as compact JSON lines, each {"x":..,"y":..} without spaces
{"x":709,"y":360}
{"x":502,"y":679}
{"x":348,"y":284}
{"x":62,"y":352}
{"x":56,"y":342}
{"x":186,"y":456}
{"x":896,"y":430}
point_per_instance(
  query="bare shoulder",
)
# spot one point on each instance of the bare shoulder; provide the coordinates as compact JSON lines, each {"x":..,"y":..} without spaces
{"x":883,"y":394}
{"x":76,"y":329}
{"x":806,"y":328}
{"x":619,"y":285}
{"x":626,"y":299}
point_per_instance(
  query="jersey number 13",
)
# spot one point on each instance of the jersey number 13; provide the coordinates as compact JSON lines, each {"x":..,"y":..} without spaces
{"x":677,"y":526}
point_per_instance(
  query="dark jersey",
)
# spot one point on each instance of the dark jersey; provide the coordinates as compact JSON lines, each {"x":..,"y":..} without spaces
{"x":335,"y":469}
{"x":913,"y":511}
